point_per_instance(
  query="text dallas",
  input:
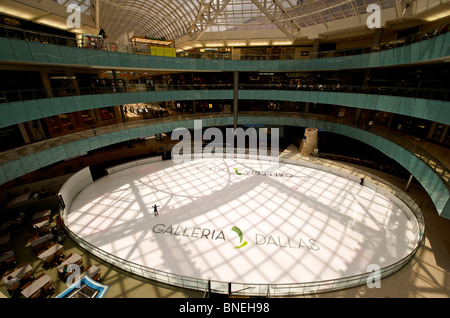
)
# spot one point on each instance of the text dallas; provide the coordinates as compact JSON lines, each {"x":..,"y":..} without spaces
{"x":219,"y":235}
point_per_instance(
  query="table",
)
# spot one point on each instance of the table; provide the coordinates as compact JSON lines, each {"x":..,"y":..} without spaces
{"x":19,"y":272}
{"x":92,"y":271}
{"x":75,"y":258}
{"x":6,"y":255}
{"x":36,"y":285}
{"x":50,"y":251}
{"x":41,"y":214}
{"x":41,"y":224}
{"x":42,"y":239}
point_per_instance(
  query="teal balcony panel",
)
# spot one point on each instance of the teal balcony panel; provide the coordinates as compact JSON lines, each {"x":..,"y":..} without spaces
{"x":58,"y":105}
{"x":71,"y":149}
{"x":314,"y":96}
{"x":3,"y":176}
{"x":96,"y":100}
{"x":382,"y":103}
{"x":30,"y":163}
{"x":53,"y":53}
{"x":419,"y":106}
{"x":331,"y":98}
{"x":109,"y":99}
{"x":124,"y":59}
{"x":88,"y":103}
{"x":360,"y":101}
{"x":444,"y":112}
{"x":19,"y":112}
{"x":373,"y":59}
{"x":40,"y":54}
{"x":67,"y":54}
{"x":436,"y":47}
{"x":126,"y":134}
{"x":405,"y":106}
{"x":134,"y":133}
{"x":115,"y":137}
{"x":390,"y":57}
{"x":114,"y":59}
{"x":402,"y":156}
{"x":83,"y":146}
{"x":103,"y":58}
{"x":45,"y":157}
{"x":33,"y":109}
{"x":134,"y":59}
{"x":446,"y":45}
{"x":58,"y":153}
{"x":105,"y":139}
{"x":371,"y":101}
{"x":393,"y":104}
{"x":6,"y":50}
{"x":21,"y":50}
{"x":80,"y":56}
{"x":78,"y":103}
{"x":69,"y":103}
{"x":13,"y":169}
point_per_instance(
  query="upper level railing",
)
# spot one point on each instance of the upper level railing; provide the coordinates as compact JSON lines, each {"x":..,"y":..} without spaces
{"x":8,"y":96}
{"x":29,"y":35}
{"x":14,"y":154}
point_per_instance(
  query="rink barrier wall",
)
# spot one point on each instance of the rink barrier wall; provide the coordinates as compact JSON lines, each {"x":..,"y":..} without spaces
{"x":246,"y":289}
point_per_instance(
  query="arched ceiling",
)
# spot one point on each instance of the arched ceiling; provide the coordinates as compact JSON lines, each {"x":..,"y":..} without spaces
{"x":172,"y":19}
{"x":203,"y":23}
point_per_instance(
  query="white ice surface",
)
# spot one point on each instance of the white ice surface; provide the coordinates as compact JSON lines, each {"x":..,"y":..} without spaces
{"x":306,"y":225}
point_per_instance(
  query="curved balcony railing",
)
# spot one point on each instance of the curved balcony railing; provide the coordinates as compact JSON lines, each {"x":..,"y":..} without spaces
{"x":263,"y":290}
{"x":32,"y":36}
{"x":435,"y":164}
{"x":8,"y":96}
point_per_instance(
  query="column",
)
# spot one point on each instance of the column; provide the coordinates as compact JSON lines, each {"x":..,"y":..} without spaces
{"x":316,"y":47}
{"x":235,"y":97}
{"x":309,"y":142}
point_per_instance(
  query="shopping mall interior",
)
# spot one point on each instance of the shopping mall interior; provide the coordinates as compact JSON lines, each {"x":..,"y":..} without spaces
{"x":90,"y":85}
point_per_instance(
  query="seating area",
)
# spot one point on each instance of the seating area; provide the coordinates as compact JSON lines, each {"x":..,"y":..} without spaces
{"x":36,"y":243}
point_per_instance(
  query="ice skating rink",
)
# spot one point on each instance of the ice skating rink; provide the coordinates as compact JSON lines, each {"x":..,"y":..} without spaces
{"x":225,"y":220}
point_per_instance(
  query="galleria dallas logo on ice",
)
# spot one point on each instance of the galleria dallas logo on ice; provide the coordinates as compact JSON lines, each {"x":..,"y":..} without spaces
{"x":260,"y":239}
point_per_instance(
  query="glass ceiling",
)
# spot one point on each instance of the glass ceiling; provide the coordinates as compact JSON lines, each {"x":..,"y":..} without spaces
{"x":171,"y":19}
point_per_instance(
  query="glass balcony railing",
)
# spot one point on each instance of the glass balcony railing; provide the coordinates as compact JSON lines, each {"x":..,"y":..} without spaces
{"x":434,"y":163}
{"x":32,"y":36}
{"x":8,"y":96}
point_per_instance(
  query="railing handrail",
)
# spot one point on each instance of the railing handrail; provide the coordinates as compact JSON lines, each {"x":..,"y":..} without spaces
{"x":43,"y":93}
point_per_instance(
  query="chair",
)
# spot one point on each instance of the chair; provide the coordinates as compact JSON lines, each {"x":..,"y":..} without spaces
{"x":97,"y":277}
{"x":48,"y":289}
{"x":49,"y":261}
{"x":25,"y":286}
{"x":11,"y":262}
{"x":27,"y":277}
{"x":14,"y":290}
{"x":40,"y":275}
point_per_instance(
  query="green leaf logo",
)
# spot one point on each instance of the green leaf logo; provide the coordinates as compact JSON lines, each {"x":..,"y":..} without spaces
{"x":239,"y":233}
{"x":237,"y":172}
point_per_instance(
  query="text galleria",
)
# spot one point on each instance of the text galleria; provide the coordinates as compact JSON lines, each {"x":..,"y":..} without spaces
{"x":213,"y":234}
